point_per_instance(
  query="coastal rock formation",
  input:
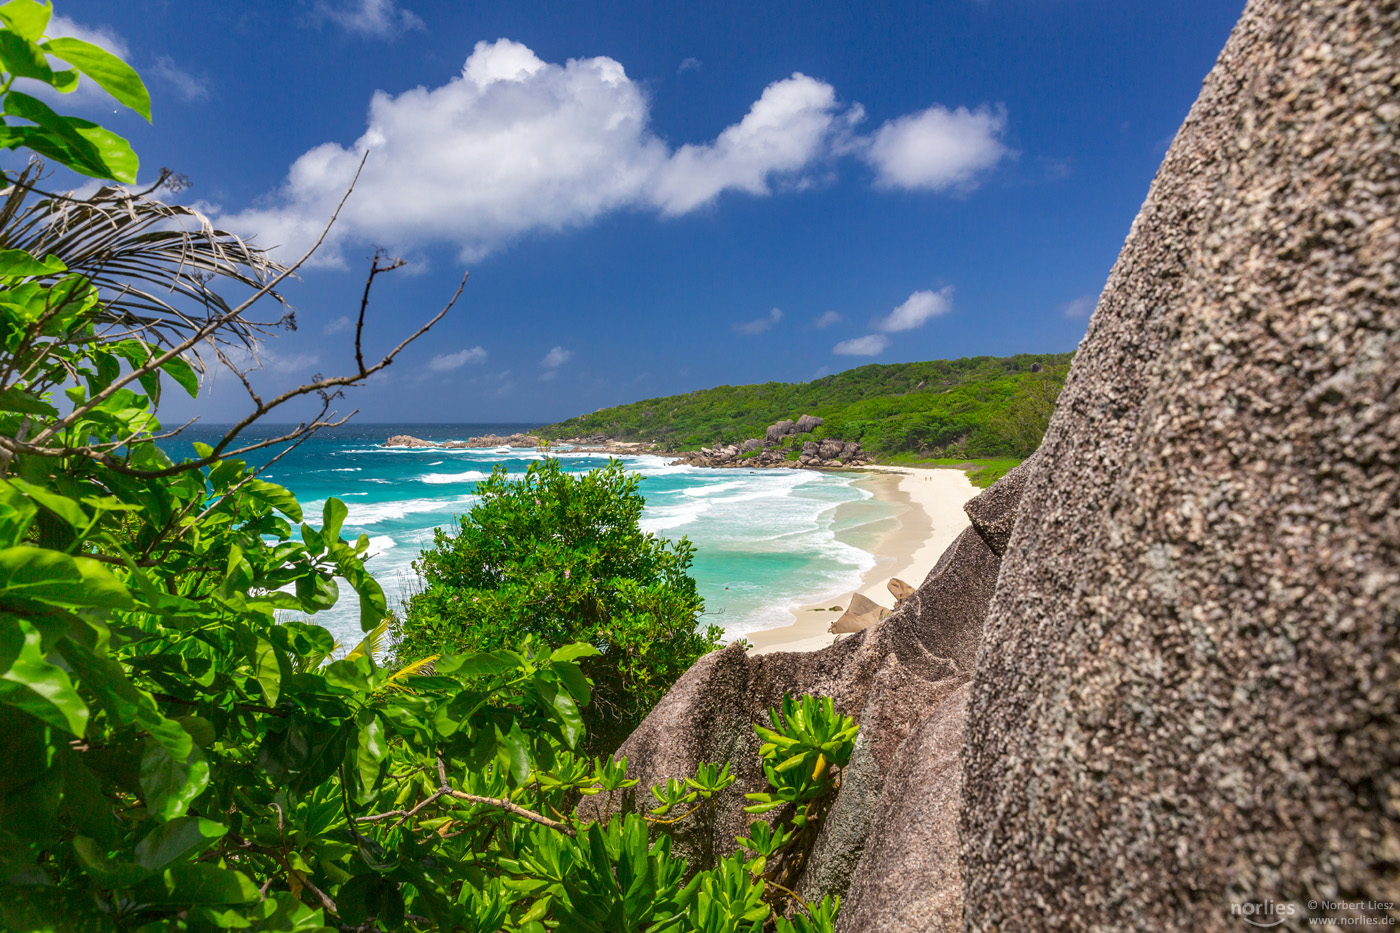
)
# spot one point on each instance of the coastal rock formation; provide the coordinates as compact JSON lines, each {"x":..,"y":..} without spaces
{"x":828,"y":453}
{"x":894,"y":677}
{"x":486,"y":440}
{"x":776,"y":432}
{"x":808,"y":423}
{"x":899,"y":590}
{"x":1186,"y":699}
{"x":859,"y":616}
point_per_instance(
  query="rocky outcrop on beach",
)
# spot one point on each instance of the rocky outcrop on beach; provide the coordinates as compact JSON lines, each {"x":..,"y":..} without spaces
{"x":1154,"y":686}
{"x":893,"y":676}
{"x":768,"y":452}
{"x":486,"y":440}
{"x":1187,"y":694}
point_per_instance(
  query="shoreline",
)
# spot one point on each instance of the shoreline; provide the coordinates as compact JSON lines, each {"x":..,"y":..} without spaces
{"x":929,"y":517}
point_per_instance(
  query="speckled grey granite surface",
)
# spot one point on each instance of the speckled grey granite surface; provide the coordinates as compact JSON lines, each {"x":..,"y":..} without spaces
{"x":1186,"y":695}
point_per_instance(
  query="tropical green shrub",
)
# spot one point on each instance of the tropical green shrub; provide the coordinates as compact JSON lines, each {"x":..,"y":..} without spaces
{"x":562,"y":557}
{"x":804,"y":756}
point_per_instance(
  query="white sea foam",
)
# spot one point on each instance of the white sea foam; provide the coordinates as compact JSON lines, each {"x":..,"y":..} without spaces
{"x":667,"y":517}
{"x":381,"y":543}
{"x":715,"y":489}
{"x":344,"y":469}
{"x":439,"y":479}
{"x":372,"y":513}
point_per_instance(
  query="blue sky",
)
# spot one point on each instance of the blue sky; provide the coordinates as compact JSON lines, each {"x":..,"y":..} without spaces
{"x":654,"y":198}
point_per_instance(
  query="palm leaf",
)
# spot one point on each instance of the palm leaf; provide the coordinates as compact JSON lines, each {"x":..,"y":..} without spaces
{"x":372,"y":645}
{"x":153,"y":262}
{"x":398,"y":681}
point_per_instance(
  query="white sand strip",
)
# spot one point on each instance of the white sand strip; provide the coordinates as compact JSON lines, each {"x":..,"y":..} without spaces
{"x":930,"y":518}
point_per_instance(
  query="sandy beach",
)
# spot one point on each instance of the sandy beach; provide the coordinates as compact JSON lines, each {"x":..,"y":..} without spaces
{"x":929,"y":518}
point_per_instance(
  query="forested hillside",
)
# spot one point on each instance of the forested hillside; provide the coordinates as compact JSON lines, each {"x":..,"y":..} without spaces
{"x":978,"y":406}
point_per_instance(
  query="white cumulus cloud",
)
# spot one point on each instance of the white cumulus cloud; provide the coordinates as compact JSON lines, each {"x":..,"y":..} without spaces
{"x":869,"y":345}
{"x":827,"y":319}
{"x":937,"y":148}
{"x":762,"y":324}
{"x":189,"y":87}
{"x":337,"y":326}
{"x":785,"y":130}
{"x":369,"y":17}
{"x":556,"y":357}
{"x":1083,"y":306}
{"x":917,"y":308}
{"x":514,"y":144}
{"x":446,"y":362}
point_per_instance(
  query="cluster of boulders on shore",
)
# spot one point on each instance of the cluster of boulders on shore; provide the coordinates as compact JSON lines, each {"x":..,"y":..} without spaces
{"x":486,"y":440}
{"x":602,"y":444}
{"x":767,"y":451}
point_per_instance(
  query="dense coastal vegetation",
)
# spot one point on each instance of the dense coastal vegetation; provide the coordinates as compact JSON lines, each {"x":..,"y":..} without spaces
{"x":562,"y":557}
{"x":184,"y":748}
{"x":975,"y":408}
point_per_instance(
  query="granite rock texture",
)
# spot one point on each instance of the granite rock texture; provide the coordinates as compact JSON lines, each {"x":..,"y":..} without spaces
{"x":909,"y":876}
{"x":1186,"y":696}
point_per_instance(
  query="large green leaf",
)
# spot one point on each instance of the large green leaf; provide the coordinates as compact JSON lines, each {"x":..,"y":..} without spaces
{"x":268,"y":669}
{"x":14,"y":398}
{"x":169,"y":782}
{"x":371,"y":748}
{"x":22,"y":58}
{"x":40,"y":689}
{"x":78,"y":144}
{"x":276,"y":496}
{"x":186,"y":378}
{"x":17,"y":262}
{"x":201,"y":884}
{"x":479,"y":664}
{"x":574,"y":651}
{"x":26,"y":18}
{"x":332,"y":517}
{"x":112,"y":74}
{"x":179,"y":838}
{"x":513,"y":752}
{"x":39,"y":573}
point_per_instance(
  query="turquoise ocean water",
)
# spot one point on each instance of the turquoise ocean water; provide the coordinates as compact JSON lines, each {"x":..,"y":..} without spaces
{"x":766,"y":540}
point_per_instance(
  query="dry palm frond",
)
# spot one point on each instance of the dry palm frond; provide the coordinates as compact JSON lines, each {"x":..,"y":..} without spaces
{"x":372,"y":645}
{"x":398,"y":681}
{"x":153,"y":262}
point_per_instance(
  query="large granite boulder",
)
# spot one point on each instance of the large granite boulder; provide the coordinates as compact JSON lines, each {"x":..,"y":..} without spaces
{"x":892,"y":677}
{"x":777,"y":432}
{"x":1186,"y":697}
{"x":908,"y":876}
{"x":808,"y":423}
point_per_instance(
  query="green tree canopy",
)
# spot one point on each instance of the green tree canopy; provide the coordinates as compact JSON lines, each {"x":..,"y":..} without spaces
{"x":562,"y":557}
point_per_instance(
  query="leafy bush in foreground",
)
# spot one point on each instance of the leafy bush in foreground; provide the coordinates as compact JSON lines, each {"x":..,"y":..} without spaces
{"x":562,"y":557}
